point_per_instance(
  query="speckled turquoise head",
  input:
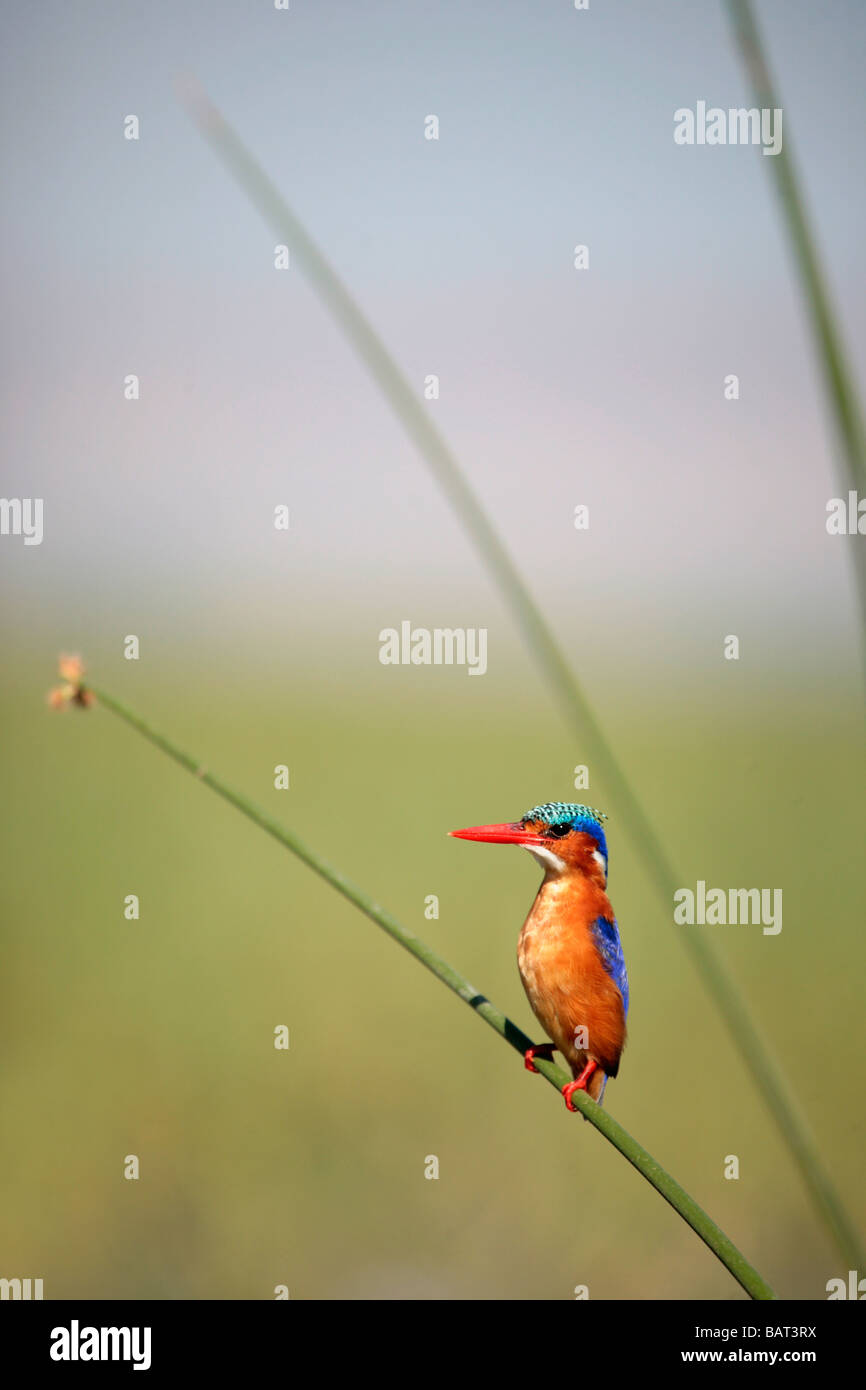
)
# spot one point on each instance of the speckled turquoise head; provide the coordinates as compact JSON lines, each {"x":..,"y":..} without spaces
{"x":561,"y":817}
{"x":567,"y":830}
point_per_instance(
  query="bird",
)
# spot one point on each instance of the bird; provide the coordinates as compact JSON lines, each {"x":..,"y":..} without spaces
{"x":569,"y":954}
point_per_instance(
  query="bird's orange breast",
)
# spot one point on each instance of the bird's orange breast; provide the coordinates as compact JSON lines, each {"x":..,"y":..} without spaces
{"x":572,"y":995}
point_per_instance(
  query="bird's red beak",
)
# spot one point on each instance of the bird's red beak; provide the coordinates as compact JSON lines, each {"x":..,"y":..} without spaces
{"x":508,"y":834}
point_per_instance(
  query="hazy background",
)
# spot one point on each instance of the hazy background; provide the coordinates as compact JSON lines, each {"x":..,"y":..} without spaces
{"x":259,"y":647}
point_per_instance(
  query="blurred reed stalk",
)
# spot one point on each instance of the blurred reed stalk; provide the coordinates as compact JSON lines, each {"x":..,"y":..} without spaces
{"x":829,"y":348}
{"x":722,"y":1247}
{"x":552,"y":665}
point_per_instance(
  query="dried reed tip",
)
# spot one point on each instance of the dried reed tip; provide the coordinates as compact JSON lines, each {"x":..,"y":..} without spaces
{"x":72,"y":691}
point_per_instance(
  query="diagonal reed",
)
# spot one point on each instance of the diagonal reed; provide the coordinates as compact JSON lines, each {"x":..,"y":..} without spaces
{"x":829,"y":349}
{"x":767,"y":1075}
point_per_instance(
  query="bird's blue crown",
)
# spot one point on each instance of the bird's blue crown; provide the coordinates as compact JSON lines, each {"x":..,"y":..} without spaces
{"x":577,"y":817}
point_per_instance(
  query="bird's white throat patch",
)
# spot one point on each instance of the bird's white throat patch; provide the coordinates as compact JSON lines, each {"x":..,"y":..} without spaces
{"x":550,"y":862}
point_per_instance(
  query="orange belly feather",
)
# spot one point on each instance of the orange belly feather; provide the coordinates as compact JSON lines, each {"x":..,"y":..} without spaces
{"x":571,"y":994}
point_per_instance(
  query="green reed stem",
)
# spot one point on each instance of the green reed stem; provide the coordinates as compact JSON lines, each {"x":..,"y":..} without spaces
{"x":829,"y":348}
{"x":711,"y":1234}
{"x":372,"y":351}
{"x":828,"y":339}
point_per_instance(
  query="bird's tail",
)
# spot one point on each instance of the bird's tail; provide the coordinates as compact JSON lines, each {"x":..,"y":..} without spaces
{"x":597,"y":1083}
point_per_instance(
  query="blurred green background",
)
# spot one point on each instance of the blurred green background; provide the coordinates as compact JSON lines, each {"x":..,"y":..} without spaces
{"x":306,"y":1167}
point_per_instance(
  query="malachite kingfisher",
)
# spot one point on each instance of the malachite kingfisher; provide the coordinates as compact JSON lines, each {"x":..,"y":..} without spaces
{"x":569,"y":953}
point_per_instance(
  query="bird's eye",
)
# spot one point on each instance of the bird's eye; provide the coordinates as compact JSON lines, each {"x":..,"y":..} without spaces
{"x":558,"y":831}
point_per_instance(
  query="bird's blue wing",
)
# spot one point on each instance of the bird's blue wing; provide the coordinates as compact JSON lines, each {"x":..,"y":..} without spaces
{"x":609,"y":946}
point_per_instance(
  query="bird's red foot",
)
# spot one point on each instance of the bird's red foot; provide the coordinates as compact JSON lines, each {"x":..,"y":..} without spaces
{"x":579,"y":1084}
{"x":544,"y":1050}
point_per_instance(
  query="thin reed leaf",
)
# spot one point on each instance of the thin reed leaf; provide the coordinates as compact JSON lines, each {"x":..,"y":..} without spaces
{"x":829,"y":347}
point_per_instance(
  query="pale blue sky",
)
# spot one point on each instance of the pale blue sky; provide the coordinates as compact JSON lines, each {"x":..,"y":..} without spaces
{"x":557,"y":387}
